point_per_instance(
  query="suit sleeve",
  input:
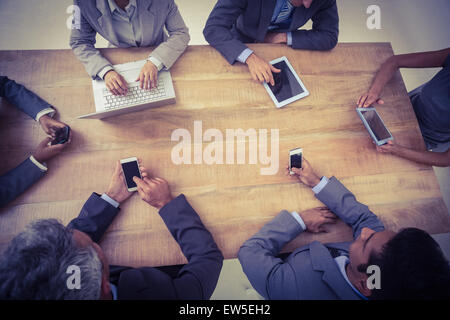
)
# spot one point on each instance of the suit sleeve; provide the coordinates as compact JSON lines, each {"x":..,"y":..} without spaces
{"x":21,"y":97}
{"x":344,"y":204}
{"x":219,"y":25}
{"x":258,"y":255}
{"x":169,"y":51}
{"x":16,"y":181}
{"x":324,"y":33}
{"x":82,"y":42}
{"x":95,"y":217}
{"x":198,"y":278}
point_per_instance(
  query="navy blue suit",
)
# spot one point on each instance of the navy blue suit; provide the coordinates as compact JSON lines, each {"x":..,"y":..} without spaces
{"x":17,"y":180}
{"x":195,"y":280}
{"x":235,"y":22}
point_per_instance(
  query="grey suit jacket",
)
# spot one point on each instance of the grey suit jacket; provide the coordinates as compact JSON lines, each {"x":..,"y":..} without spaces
{"x":310,"y":272}
{"x":156,"y":16}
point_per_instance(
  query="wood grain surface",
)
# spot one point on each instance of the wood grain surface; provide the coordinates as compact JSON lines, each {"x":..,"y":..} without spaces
{"x":233,"y":201}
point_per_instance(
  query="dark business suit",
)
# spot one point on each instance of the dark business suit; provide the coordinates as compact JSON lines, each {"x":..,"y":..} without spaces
{"x":235,"y":22}
{"x":195,"y":280}
{"x":310,"y":272}
{"x":17,"y":180}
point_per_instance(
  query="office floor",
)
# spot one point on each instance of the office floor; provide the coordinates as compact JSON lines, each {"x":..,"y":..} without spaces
{"x":410,"y":25}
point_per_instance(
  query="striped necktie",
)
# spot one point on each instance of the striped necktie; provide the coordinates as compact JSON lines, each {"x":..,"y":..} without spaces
{"x":284,"y":13}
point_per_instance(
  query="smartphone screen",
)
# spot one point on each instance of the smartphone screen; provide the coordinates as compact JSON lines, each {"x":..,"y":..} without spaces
{"x":296,"y":160}
{"x":130,"y":170}
{"x":376,"y":124}
{"x":62,"y":136}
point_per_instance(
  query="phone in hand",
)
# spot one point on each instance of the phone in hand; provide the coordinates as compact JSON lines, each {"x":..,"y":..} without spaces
{"x":62,"y":136}
{"x":295,"y":159}
{"x":130,"y":168}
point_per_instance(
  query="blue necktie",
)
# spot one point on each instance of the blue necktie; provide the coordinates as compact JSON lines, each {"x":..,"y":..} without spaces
{"x":284,"y":13}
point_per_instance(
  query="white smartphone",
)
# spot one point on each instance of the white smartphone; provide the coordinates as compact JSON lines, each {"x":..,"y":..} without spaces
{"x":295,"y":159}
{"x":130,"y":168}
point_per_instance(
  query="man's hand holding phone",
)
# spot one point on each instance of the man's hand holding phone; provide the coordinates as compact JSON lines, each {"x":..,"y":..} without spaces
{"x":306,"y":174}
{"x":118,"y":189}
{"x":45,"y":151}
{"x":155,"y":191}
{"x":51,"y":126}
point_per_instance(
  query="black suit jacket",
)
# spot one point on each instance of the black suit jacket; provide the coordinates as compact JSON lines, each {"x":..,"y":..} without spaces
{"x":195,"y":280}
{"x":235,"y":22}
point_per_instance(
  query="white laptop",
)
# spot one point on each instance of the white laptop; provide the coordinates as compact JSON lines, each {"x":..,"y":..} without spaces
{"x":108,"y":105}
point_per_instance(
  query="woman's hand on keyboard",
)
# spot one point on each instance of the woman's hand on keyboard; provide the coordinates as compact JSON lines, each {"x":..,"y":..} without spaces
{"x":116,"y":83}
{"x":148,"y":76}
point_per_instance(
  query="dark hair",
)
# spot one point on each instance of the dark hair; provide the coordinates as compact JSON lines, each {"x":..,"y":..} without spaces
{"x":412,"y":267}
{"x":35,"y":264}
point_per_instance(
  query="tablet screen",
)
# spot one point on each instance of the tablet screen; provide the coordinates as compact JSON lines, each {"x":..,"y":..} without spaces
{"x":375,"y":123}
{"x":286,"y":85}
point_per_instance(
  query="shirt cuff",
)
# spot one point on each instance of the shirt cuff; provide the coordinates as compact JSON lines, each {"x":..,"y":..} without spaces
{"x":103,"y":72}
{"x":111,"y":201}
{"x":41,"y":166}
{"x":299,"y":219}
{"x":322,"y":184}
{"x":244,"y":55}
{"x":159,"y":65}
{"x":48,"y":111}
{"x":289,"y":39}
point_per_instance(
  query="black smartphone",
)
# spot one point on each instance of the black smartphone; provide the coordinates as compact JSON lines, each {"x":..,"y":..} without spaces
{"x":295,"y":159}
{"x":62,"y":136}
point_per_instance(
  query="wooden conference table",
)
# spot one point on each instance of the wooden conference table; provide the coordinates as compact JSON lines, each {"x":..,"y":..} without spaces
{"x":233,"y":201}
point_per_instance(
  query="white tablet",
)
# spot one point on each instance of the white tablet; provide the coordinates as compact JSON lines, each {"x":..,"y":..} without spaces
{"x":374,"y":125}
{"x":288,"y":86}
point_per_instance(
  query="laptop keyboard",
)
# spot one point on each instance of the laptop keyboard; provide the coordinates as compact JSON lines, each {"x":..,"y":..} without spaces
{"x":135,"y":96}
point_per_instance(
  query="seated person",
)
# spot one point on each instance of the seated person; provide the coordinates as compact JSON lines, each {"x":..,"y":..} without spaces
{"x":431,"y":104}
{"x":129,"y":23}
{"x":35,"y":263}
{"x":235,"y":22}
{"x":411,"y":263}
{"x":19,"y":179}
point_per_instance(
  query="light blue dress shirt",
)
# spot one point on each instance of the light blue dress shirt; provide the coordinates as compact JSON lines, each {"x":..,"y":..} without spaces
{"x":128,"y":30}
{"x":275,"y":19}
{"x":342,"y":262}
